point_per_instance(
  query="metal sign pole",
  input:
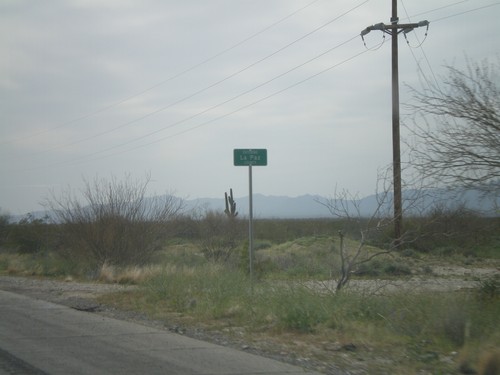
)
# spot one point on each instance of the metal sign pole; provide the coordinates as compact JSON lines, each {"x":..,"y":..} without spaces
{"x":250,"y":157}
{"x":250,"y":223}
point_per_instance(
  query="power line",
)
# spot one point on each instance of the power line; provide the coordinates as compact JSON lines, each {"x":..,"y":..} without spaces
{"x":211,"y":108}
{"x":216,"y":83}
{"x":239,"y":95}
{"x":236,"y":110}
{"x":466,"y":12}
{"x":436,"y":9}
{"x":171,"y":78}
{"x":422,"y":49}
{"x":85,"y":158}
{"x":436,"y":82}
{"x":206,"y":88}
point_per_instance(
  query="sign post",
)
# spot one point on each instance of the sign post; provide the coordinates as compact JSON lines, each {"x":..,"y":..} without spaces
{"x":250,"y":157}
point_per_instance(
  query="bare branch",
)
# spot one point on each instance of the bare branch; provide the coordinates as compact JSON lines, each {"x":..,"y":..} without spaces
{"x":116,"y":223}
{"x":457,"y":128}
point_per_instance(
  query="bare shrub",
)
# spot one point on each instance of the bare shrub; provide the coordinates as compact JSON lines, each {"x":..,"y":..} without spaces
{"x":449,"y":230}
{"x":459,"y":143}
{"x":220,"y":235}
{"x":346,"y":206}
{"x":115,"y":224}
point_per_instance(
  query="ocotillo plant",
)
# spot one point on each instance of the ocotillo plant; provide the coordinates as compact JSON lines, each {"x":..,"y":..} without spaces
{"x":230,"y":210}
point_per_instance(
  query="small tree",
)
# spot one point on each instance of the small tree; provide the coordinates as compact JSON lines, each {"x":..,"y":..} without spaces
{"x":459,"y":141}
{"x":115,"y":223}
{"x":346,"y":206}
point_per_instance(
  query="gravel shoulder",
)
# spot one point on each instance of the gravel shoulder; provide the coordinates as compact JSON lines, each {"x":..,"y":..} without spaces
{"x":83,"y":297}
{"x":76,"y":295}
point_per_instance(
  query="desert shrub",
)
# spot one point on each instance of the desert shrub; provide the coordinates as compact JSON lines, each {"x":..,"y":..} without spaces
{"x":489,"y":363}
{"x":52,"y":264}
{"x":261,"y":244}
{"x":489,"y":288}
{"x":449,"y":319}
{"x":298,"y":309}
{"x":409,"y":253}
{"x":383,"y":267}
{"x":452,"y":321}
{"x":279,"y":231}
{"x":446,"y":231}
{"x":116,"y":224}
{"x":210,"y":290}
{"x":46,"y":264}
{"x":30,"y":235}
{"x":397,"y":269}
{"x":4,"y":262}
{"x":4,"y":226}
{"x":181,"y":254}
{"x":373,"y":268}
{"x":220,"y":236}
{"x":308,"y":257}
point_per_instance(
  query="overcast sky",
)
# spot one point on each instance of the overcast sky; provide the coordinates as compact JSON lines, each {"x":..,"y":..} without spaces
{"x":108,"y":87}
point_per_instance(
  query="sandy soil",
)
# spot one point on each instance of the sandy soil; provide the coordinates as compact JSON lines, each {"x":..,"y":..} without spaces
{"x":439,"y":279}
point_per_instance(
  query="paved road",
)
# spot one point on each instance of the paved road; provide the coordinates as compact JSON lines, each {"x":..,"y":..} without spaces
{"x":38,"y":337}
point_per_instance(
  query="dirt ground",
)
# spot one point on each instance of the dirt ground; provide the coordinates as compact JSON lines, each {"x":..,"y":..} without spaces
{"x":437,"y":279}
{"x":83,"y":296}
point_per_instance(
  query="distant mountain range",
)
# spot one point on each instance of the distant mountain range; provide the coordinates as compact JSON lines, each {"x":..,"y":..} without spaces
{"x":314,"y":206}
{"x":416,"y":202}
{"x":264,"y":206}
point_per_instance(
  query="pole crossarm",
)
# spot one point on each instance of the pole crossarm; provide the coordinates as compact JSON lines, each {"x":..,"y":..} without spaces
{"x":394,"y":27}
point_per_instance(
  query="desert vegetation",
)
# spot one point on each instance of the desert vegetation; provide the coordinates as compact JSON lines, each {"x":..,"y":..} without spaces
{"x":385,"y":319}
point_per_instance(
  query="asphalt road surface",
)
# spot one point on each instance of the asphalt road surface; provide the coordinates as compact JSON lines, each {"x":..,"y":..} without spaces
{"x":38,"y":338}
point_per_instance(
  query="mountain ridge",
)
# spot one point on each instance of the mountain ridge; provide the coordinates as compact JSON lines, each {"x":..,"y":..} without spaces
{"x":311,"y":206}
{"x":416,"y":202}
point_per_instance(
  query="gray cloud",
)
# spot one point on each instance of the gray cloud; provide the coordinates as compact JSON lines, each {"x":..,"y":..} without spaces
{"x":100,"y":87}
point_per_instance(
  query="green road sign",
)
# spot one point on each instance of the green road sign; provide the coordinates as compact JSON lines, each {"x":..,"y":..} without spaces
{"x":250,"y":157}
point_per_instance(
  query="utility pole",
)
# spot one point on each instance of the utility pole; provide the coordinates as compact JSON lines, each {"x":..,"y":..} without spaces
{"x":394,"y":29}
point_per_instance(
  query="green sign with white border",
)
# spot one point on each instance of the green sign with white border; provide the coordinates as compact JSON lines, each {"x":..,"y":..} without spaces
{"x":250,"y":157}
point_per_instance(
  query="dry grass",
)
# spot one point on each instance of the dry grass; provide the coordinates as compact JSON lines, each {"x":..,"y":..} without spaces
{"x":407,"y":333}
{"x":127,"y":275}
{"x":489,"y":363}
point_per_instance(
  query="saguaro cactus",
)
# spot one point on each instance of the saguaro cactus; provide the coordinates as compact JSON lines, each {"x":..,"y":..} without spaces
{"x":230,"y":210}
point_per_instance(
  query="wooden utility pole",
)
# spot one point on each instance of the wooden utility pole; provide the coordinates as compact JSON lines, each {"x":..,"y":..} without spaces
{"x":396,"y":147}
{"x":394,"y":29}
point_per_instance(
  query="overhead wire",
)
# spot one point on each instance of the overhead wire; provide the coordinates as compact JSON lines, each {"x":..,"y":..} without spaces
{"x":422,"y":49}
{"x":221,"y":104}
{"x":85,"y":158}
{"x":439,"y":8}
{"x":238,"y":95}
{"x":466,"y":12}
{"x":171,"y":78}
{"x":259,"y":100}
{"x":433,"y":22}
{"x":210,"y":86}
